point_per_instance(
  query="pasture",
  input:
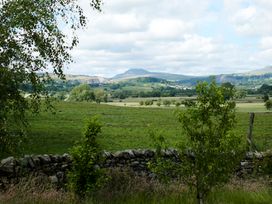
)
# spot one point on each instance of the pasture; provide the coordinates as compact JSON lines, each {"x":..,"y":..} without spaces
{"x":127,"y":127}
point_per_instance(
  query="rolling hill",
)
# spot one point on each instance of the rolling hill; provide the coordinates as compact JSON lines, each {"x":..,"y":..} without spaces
{"x":136,"y":73}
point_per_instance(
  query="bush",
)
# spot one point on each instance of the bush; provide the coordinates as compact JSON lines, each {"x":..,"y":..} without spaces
{"x":268,"y":104}
{"x":148,"y":102}
{"x":86,"y":176}
{"x":166,"y":103}
{"x":188,"y":102}
{"x":178,"y":104}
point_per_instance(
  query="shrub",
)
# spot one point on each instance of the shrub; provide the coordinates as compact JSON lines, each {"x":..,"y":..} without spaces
{"x":141,"y":103}
{"x":148,"y":102}
{"x":268,"y":104}
{"x":178,"y":104}
{"x":166,"y":103}
{"x":265,"y":97}
{"x":86,"y":176}
{"x":212,"y":150}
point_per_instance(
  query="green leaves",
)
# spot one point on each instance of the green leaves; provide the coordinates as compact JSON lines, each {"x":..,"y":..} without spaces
{"x":31,"y":43}
{"x":85,"y":176}
{"x":209,"y":126}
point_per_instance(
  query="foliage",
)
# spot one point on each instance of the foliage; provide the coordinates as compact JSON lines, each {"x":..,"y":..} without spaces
{"x":265,"y":97}
{"x":265,"y":89}
{"x":215,"y":150}
{"x":31,"y":42}
{"x":148,"y":102}
{"x":268,"y":104}
{"x":166,"y":102}
{"x":82,"y":92}
{"x":86,"y":176}
{"x":100,"y":96}
{"x":188,"y":103}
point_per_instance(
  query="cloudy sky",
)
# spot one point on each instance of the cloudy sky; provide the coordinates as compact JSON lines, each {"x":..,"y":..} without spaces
{"x":194,"y":37}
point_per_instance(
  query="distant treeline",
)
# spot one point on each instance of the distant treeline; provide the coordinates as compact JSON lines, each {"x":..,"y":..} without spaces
{"x":134,"y":88}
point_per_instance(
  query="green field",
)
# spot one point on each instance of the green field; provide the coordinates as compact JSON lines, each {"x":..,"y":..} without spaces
{"x":127,"y":127}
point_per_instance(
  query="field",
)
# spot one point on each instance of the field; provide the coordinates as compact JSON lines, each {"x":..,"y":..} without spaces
{"x":127,"y":127}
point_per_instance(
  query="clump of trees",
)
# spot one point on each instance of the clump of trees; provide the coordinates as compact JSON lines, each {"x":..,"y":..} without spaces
{"x":83,"y":92}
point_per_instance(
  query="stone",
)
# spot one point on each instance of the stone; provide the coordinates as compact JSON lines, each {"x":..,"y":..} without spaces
{"x":67,"y":158}
{"x":107,"y":155}
{"x":138,"y":153}
{"x":134,"y":164}
{"x":53,"y":179}
{"x":8,"y":165}
{"x":30,"y":162}
{"x":60,"y":175}
{"x":244,"y":163}
{"x":258,"y":155}
{"x":36,"y":161}
{"x":121,"y":155}
{"x":65,"y":167}
{"x":131,"y":153}
{"x":249,"y":155}
{"x":149,"y":153}
{"x":45,"y":159}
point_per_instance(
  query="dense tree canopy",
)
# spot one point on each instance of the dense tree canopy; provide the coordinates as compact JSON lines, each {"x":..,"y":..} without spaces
{"x":32,"y":43}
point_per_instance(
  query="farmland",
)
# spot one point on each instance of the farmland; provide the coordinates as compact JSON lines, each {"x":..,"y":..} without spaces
{"x":127,"y":127}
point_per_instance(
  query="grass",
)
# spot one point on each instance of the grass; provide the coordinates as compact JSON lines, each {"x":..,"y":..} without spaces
{"x":126,"y":127}
{"x":125,"y":188}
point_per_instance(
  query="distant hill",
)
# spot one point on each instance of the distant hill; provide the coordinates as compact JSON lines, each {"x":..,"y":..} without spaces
{"x":252,"y":79}
{"x":84,"y":79}
{"x":136,"y":73}
{"x":263,"y":71}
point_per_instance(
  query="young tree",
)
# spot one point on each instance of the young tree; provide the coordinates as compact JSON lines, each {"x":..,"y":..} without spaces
{"x":31,"y":42}
{"x":268,"y":104}
{"x":86,"y":176}
{"x":215,"y":149}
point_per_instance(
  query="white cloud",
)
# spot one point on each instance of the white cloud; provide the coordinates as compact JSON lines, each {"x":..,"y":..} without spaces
{"x":186,"y":37}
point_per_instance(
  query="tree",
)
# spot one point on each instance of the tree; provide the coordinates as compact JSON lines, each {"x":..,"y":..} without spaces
{"x":85,"y":175}
{"x":31,"y":44}
{"x":82,"y":92}
{"x":215,"y":149}
{"x":100,"y":96}
{"x":265,"y":97}
{"x":268,"y":104}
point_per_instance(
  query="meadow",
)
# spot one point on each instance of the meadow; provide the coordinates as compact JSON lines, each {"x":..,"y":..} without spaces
{"x":127,"y":127}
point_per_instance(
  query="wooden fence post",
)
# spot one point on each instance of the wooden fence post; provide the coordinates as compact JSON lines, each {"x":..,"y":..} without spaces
{"x":250,"y":135}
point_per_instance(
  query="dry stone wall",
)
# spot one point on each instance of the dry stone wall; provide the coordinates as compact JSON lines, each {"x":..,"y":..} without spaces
{"x":55,"y":167}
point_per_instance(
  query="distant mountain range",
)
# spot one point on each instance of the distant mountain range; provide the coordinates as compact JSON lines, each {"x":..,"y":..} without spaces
{"x":252,"y":78}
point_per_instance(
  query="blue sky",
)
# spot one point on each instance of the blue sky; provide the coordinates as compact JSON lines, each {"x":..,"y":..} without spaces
{"x":178,"y":36}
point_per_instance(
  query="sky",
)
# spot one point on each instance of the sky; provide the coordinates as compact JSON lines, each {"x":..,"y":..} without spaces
{"x":191,"y":37}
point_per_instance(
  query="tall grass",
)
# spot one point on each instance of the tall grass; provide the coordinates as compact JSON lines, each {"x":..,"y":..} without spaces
{"x":125,"y":188}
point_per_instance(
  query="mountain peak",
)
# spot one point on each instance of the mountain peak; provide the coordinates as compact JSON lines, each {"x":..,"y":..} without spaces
{"x":137,"y":71}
